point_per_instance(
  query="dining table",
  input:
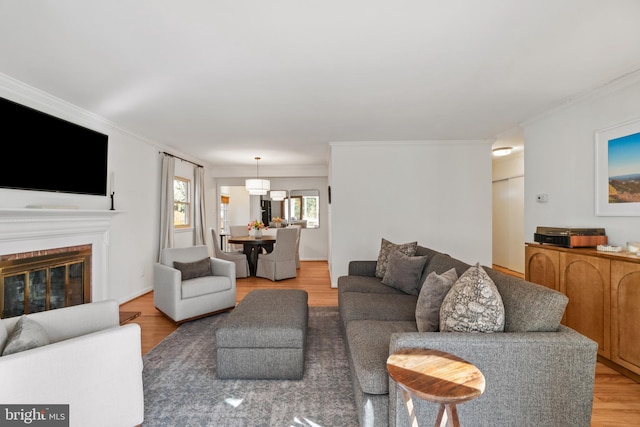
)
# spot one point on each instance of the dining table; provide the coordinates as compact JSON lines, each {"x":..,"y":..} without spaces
{"x":252,"y":247}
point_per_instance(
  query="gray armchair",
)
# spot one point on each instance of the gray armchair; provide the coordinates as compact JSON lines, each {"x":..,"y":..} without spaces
{"x":188,"y":284}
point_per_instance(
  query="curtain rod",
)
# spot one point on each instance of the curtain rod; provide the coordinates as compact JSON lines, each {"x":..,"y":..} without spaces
{"x":178,"y":157}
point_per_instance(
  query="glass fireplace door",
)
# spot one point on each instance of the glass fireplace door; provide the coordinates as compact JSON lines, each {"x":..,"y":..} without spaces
{"x":40,"y":285}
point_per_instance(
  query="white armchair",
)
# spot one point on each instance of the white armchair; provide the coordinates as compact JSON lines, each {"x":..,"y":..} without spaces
{"x":92,"y":364}
{"x":180,"y":299}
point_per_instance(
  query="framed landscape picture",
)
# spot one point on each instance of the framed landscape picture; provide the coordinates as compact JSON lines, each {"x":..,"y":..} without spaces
{"x":618,"y":170}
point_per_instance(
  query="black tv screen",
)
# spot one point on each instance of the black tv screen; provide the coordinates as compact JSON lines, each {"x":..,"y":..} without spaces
{"x":50,"y":154}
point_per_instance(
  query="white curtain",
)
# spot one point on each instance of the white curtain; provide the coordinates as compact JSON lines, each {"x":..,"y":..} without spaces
{"x":166,"y":203}
{"x":199,"y":208}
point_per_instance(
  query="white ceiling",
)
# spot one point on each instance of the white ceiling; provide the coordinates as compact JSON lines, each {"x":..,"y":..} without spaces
{"x":225,"y":81}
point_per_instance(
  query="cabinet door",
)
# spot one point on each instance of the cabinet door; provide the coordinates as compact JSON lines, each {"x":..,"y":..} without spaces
{"x":625,"y":314}
{"x":541,"y":267}
{"x":586,"y":281}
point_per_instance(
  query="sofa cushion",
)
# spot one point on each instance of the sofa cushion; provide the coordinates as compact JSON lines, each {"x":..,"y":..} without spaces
{"x":441,"y":263}
{"x":368,"y":342}
{"x":422,"y":251}
{"x":430,"y":253}
{"x":360,"y":306}
{"x":403,"y":272}
{"x":366,"y":284}
{"x":473,"y":304}
{"x":362,"y":268}
{"x":191,"y":270}
{"x":432,"y":293}
{"x":26,"y":334}
{"x":386,"y":247}
{"x":528,"y":307}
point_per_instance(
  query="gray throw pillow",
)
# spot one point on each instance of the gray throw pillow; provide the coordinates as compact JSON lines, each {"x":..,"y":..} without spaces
{"x":386,"y":247}
{"x":473,"y":304}
{"x":191,"y":270}
{"x":404,"y":272}
{"x":434,"y":289}
{"x":26,"y":334}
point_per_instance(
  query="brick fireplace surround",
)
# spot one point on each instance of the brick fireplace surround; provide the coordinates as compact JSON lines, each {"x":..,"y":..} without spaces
{"x":40,"y":231}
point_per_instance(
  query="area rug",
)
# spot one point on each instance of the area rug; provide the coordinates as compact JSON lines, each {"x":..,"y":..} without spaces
{"x":181,"y":387}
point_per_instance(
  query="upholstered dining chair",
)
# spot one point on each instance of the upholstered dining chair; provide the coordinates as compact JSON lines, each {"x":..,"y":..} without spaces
{"x":188,"y":284}
{"x":239,"y":258}
{"x":238,"y":231}
{"x":281,"y":262}
{"x":299,"y":229}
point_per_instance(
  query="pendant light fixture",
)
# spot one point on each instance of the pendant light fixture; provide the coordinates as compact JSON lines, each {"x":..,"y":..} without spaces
{"x":257,"y":187}
{"x":277,"y":195}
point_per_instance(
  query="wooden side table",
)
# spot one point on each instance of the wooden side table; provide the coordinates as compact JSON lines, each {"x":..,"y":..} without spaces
{"x":437,"y":377}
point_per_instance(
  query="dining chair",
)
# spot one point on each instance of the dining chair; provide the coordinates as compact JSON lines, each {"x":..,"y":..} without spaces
{"x":299,"y":229}
{"x":238,"y":231}
{"x":281,"y":262}
{"x":239,"y":258}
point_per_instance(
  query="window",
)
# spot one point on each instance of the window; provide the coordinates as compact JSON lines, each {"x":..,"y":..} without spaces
{"x":181,"y":202}
{"x":304,"y":207}
{"x":310,"y":210}
{"x":224,"y":214}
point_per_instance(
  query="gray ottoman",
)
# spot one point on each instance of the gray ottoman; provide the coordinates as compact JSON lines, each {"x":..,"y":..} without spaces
{"x":264,"y":337}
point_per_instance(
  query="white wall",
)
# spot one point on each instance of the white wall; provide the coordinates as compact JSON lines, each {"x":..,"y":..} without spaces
{"x":239,"y":206}
{"x":438,"y":193}
{"x":560,"y":162}
{"x":134,"y":232}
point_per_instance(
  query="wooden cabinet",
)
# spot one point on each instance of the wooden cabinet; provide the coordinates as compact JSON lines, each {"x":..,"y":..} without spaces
{"x":542,"y":266}
{"x":585,"y":280}
{"x":604,"y":297}
{"x":625,"y":314}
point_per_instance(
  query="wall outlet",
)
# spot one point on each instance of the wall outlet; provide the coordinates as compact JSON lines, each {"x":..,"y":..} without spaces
{"x":542,"y":198}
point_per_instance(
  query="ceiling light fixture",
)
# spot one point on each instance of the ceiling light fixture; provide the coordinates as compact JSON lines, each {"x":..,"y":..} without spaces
{"x":278,"y":195}
{"x":257,"y":187}
{"x":502,"y":151}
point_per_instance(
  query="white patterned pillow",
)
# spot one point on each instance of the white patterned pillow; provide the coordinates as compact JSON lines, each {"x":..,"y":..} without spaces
{"x":386,"y":247}
{"x":473,"y":304}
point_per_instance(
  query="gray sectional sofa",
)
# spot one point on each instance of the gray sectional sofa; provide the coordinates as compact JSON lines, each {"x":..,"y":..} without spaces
{"x":538,"y":372}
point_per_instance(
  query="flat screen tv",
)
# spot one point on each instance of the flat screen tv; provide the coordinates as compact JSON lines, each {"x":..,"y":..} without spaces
{"x":44,"y":153}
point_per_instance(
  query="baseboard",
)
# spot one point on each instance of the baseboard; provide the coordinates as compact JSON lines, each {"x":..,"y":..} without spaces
{"x":135,"y":295}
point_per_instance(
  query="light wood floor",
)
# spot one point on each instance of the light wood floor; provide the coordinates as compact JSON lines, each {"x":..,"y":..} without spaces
{"x":616,"y":399}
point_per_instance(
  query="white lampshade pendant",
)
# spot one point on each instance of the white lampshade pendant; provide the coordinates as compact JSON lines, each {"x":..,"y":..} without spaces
{"x":257,"y":187}
{"x":278,"y":195}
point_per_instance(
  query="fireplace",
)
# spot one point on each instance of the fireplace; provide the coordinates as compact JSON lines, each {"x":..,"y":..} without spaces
{"x":44,"y":280}
{"x":42,"y":234}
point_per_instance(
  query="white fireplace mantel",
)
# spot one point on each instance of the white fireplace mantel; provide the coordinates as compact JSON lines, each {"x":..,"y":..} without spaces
{"x":25,"y":230}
